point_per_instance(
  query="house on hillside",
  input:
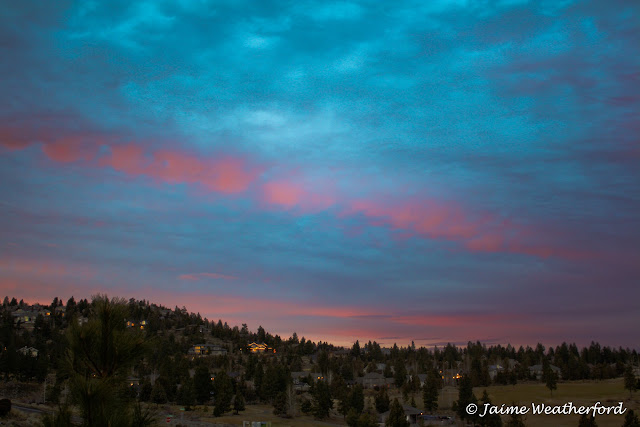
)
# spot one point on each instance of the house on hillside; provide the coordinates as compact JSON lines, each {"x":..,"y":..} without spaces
{"x":373,"y":379}
{"x":451,"y":376}
{"x":207,"y":350}
{"x":24,"y":316}
{"x":255,"y":347}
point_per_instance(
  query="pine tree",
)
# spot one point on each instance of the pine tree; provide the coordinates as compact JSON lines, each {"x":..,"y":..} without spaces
{"x":430,"y":391}
{"x":158,"y":393}
{"x":397,"y":417}
{"x":382,"y":400}
{"x":465,"y":397}
{"x":356,"y":399}
{"x":322,"y":402}
{"x":223,"y":391}
{"x":202,"y":384}
{"x":238,"y":402}
{"x":630,"y":382}
{"x":489,"y":420}
{"x":186,"y":395}
{"x":550,"y":378}
{"x":631,"y":419}
{"x":99,"y":356}
{"x":400,"y":374}
{"x":515,"y":420}
{"x":587,"y":421}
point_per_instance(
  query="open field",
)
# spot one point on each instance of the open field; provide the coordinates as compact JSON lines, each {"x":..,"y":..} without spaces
{"x":607,"y":392}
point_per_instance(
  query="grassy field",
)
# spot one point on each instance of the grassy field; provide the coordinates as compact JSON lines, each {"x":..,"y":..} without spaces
{"x":265,"y":413}
{"x":586,"y":393}
{"x":608,"y":393}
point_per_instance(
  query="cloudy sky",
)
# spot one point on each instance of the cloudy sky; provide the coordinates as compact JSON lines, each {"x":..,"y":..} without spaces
{"x":437,"y":171}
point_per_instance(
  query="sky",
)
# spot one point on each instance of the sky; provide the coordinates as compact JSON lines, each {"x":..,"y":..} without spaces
{"x":436,"y":171}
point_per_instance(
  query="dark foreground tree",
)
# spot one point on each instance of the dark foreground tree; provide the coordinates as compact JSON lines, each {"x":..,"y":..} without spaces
{"x":550,"y":378}
{"x":630,"y":382}
{"x":489,"y":420}
{"x":61,"y":418}
{"x":515,"y":420}
{"x":430,"y":391}
{"x":99,"y":357}
{"x":382,"y":400}
{"x":322,"y":402}
{"x":631,"y":419}
{"x":238,"y":402}
{"x":587,"y":421}
{"x":465,"y":398}
{"x":397,"y":417}
{"x":223,"y":391}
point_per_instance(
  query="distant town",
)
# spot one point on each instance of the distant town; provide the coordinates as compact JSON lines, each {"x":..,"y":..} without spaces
{"x":120,"y":362}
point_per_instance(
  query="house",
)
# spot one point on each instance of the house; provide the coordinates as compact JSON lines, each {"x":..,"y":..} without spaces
{"x":133,"y":381}
{"x":207,"y":350}
{"x":451,"y":375}
{"x":373,"y":379}
{"x":301,"y":387}
{"x":23,"y":316}
{"x":301,"y":377}
{"x":300,"y":381}
{"x":422,"y":378}
{"x":538,"y":371}
{"x":82,"y":320}
{"x":412,"y":414}
{"x":317,"y":376}
{"x":28,"y":351}
{"x":260,"y":348}
{"x":494,"y":370}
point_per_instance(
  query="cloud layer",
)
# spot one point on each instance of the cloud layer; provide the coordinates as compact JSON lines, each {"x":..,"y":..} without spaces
{"x":446,"y":169}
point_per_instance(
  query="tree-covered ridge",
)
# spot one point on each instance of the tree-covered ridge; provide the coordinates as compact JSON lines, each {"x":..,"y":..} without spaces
{"x":135,"y":351}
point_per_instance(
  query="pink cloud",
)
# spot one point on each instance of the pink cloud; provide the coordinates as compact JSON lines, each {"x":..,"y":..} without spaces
{"x":296,"y":191}
{"x":282,"y":193}
{"x":73,"y":148}
{"x":425,"y":217}
{"x":44,"y":268}
{"x":224,"y":174}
